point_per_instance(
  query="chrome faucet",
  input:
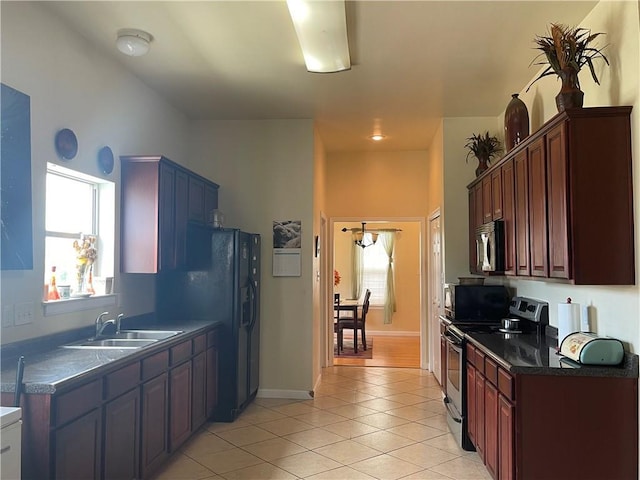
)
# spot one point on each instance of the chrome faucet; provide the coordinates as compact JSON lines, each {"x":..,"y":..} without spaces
{"x":100,"y":324}
{"x":119,"y":321}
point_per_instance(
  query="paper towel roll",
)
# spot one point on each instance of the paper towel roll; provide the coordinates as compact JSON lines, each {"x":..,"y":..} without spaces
{"x":584,"y":319}
{"x":568,"y":319}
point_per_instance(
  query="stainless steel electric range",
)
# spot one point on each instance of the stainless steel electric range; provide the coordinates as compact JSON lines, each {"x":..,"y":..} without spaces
{"x":531,"y":317}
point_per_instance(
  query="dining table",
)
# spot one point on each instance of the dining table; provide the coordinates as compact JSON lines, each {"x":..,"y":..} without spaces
{"x":349,"y":305}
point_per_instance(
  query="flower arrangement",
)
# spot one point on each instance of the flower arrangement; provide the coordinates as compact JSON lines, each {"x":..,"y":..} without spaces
{"x":484,"y":148}
{"x":336,"y":278}
{"x":86,"y":254}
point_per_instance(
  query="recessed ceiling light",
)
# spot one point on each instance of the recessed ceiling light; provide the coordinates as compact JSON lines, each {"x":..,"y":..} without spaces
{"x":377,"y":137}
{"x":133,"y":42}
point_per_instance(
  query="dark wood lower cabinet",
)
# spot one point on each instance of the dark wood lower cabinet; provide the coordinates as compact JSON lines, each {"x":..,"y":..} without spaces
{"x":471,"y":404}
{"x":491,"y":430}
{"x":154,"y":424}
{"x":480,"y":420}
{"x":78,"y":448}
{"x":122,"y":437}
{"x":179,"y":405}
{"x":199,"y":390}
{"x":506,"y":428}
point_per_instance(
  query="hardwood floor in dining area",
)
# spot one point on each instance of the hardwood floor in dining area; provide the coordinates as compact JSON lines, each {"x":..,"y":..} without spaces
{"x":387,"y":352}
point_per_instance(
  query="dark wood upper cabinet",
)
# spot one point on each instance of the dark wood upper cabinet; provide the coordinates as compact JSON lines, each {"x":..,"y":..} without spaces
{"x":521,"y":173}
{"x":509,"y":216}
{"x":158,"y":199}
{"x":487,"y":198}
{"x":496,"y":194}
{"x":538,"y":209}
{"x":573,"y":197}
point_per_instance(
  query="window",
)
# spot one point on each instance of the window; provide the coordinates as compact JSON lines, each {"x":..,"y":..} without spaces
{"x":375,"y":264}
{"x":79,"y":232}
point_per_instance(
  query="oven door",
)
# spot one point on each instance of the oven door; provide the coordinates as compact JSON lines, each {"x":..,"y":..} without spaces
{"x":454,"y":370}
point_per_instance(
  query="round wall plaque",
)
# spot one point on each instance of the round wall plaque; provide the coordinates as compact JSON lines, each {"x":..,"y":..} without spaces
{"x":105,"y":160}
{"x":66,"y":144}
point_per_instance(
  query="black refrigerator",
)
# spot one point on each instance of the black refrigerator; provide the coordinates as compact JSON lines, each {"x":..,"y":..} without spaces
{"x":228,"y":291}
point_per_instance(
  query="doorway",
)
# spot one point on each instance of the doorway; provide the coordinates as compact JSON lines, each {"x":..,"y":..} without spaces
{"x":435,"y":291}
{"x":402,"y":343}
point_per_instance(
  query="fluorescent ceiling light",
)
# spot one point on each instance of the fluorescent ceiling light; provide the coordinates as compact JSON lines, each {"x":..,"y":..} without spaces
{"x":321,"y":27}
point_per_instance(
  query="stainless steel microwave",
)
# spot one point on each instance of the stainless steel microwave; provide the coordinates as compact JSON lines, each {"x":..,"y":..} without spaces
{"x":490,"y":247}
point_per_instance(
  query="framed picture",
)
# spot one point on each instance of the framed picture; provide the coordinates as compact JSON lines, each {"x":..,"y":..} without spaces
{"x":317,"y":246}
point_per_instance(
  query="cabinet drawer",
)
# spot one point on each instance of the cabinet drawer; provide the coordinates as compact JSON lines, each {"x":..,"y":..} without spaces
{"x":199,"y":344}
{"x":505,"y":384}
{"x":155,"y":365}
{"x":479,"y":363}
{"x":122,"y":380}
{"x":491,"y":371}
{"x":181,"y":352}
{"x":78,"y":402}
{"x":471,"y":354}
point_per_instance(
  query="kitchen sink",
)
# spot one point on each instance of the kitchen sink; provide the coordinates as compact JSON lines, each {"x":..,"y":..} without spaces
{"x":145,"y":334}
{"x":111,"y":343}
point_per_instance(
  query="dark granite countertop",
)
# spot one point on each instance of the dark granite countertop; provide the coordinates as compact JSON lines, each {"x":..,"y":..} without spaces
{"x":50,"y":369}
{"x":531,"y":354}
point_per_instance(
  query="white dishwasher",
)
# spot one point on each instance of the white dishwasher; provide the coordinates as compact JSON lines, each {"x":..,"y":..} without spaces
{"x":10,"y":440}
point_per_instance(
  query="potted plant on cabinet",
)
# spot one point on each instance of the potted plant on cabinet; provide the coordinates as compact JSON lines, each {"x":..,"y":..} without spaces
{"x":566,"y":50}
{"x":484,"y":148}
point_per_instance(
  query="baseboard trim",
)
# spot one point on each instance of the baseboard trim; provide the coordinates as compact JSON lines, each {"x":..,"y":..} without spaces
{"x":276,"y":393}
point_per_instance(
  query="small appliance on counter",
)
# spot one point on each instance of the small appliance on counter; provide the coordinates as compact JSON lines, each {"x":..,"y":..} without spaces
{"x":589,"y":349}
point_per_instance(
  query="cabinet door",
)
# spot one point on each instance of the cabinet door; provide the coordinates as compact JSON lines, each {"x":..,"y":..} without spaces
{"x":212,"y":381}
{"x":471,"y":404}
{"x":199,"y":398}
{"x":496,"y":194}
{"x":473,"y":252}
{"x":506,"y":446}
{"x":121,"y":436}
{"x":210,"y":200}
{"x":538,"y":208}
{"x":559,"y":266}
{"x":181,"y":218}
{"x":154,"y":424}
{"x":179,"y":405}
{"x":487,"y":207}
{"x":196,"y":200}
{"x":479,"y":213}
{"x":166,"y":215}
{"x":509,"y":217}
{"x":480,"y":420}
{"x":491,"y":428}
{"x":78,"y":448}
{"x":522,"y":213}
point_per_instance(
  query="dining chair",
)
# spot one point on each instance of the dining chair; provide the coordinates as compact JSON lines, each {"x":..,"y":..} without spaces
{"x":357,"y":323}
{"x":337,"y":326}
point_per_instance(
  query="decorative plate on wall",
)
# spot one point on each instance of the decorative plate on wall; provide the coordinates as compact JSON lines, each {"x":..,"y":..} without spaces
{"x":66,"y":144}
{"x":105,"y":160}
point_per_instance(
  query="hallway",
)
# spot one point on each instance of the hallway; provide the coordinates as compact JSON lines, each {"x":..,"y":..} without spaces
{"x":364,"y":423}
{"x":388,"y":351}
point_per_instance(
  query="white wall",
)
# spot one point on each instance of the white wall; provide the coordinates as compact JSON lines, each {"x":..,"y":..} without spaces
{"x":265,"y":169}
{"x":71,"y":85}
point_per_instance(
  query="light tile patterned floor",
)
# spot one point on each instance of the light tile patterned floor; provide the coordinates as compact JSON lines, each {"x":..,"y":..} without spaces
{"x":364,"y":423}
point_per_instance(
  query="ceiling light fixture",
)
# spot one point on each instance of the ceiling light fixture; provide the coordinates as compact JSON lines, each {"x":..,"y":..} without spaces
{"x":133,"y":42}
{"x":377,"y":137}
{"x":359,"y":237}
{"x":322,"y":33}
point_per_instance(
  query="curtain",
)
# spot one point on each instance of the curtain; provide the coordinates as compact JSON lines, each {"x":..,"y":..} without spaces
{"x":357,"y":270}
{"x":387,"y":240}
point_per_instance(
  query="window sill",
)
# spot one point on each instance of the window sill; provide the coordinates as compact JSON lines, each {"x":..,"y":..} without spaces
{"x":58,"y":307}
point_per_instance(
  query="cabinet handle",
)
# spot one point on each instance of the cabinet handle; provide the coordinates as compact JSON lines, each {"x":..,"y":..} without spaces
{"x":5,"y":449}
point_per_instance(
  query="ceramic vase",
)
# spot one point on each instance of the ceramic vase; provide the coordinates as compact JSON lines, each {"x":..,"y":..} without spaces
{"x":483,"y":164}
{"x":516,"y":122}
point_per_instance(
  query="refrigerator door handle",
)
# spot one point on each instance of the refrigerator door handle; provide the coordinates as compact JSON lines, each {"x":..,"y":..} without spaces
{"x":254,"y":301}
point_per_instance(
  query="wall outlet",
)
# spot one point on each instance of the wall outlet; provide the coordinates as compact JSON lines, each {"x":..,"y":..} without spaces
{"x":24,"y":313}
{"x":7,"y":316}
